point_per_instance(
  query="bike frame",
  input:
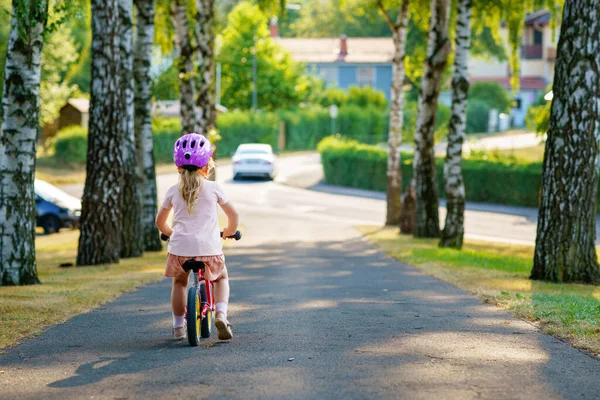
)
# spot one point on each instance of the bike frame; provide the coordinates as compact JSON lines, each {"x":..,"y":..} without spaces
{"x":210,"y":305}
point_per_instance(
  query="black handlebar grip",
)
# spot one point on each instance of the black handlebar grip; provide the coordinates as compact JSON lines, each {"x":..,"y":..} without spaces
{"x":237,"y":236}
{"x":164,"y":237}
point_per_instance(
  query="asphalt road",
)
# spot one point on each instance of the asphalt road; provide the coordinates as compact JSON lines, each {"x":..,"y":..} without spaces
{"x":288,"y":195}
{"x":317,"y":312}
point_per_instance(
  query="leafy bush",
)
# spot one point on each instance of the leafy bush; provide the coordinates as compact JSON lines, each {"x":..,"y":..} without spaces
{"x":246,"y":127}
{"x":349,"y":163}
{"x":491,"y":93}
{"x":70,"y":145}
{"x":478,"y":116}
{"x":538,"y":118}
{"x":333,"y":95}
{"x":364,"y":96}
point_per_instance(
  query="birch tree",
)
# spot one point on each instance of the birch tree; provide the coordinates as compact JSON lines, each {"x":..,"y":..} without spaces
{"x":454,"y":229}
{"x":145,"y":10}
{"x":205,"y":43}
{"x":18,"y":145}
{"x":189,"y":118}
{"x":132,"y":241}
{"x":101,"y":214}
{"x":438,"y":48}
{"x":566,"y":232}
{"x":394,"y":174}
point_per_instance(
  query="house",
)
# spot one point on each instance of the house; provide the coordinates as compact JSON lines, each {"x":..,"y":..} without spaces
{"x":343,"y":62}
{"x":74,"y":113}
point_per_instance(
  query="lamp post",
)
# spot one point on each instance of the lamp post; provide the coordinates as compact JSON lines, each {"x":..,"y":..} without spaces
{"x":254,"y":89}
{"x":333,"y":113}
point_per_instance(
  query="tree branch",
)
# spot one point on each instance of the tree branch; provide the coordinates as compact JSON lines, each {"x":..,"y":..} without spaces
{"x":386,"y":17}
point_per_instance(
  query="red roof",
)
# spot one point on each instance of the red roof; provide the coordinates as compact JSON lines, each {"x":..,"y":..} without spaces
{"x":526,"y":83}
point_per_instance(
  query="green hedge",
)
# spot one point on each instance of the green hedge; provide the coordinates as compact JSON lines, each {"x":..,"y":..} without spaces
{"x":70,"y":145}
{"x":349,"y":163}
{"x":305,"y":127}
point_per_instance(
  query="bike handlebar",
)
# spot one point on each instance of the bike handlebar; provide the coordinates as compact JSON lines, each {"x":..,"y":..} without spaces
{"x":237,"y":236}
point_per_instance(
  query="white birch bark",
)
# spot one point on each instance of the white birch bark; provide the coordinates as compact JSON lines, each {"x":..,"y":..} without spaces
{"x":205,"y":40}
{"x":427,"y":218}
{"x":454,"y":229}
{"x":132,"y":240}
{"x":565,"y":248}
{"x":145,"y":10}
{"x":20,"y":127}
{"x":100,"y":238}
{"x":394,"y":173}
{"x":189,"y":116}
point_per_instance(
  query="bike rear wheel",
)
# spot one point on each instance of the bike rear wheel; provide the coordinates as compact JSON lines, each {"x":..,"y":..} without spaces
{"x":192,"y":316}
{"x":206,"y":324}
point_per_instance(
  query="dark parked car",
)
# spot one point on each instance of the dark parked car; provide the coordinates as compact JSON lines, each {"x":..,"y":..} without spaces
{"x":55,"y":208}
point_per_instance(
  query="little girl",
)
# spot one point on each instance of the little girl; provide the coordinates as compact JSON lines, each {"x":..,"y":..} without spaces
{"x":195,"y":233}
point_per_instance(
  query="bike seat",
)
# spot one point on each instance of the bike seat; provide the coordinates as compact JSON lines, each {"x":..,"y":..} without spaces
{"x":193,"y":265}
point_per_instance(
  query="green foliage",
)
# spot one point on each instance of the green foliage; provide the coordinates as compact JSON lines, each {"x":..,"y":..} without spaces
{"x":246,"y":127}
{"x":354,"y":18}
{"x":279,"y":79}
{"x":79,"y":73}
{"x":478,"y":113}
{"x":491,"y":93}
{"x":70,"y":145}
{"x":5,"y":7}
{"x":360,"y":96}
{"x":538,"y":118}
{"x":166,"y":85}
{"x":58,"y":54}
{"x":349,"y":163}
{"x":333,"y":95}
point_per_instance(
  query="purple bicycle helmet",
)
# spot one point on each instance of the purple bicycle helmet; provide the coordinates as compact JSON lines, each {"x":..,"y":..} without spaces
{"x":192,"y":151}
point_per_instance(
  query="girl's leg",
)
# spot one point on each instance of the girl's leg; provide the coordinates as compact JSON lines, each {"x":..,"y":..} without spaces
{"x":179,"y":296}
{"x":222,"y":288}
{"x":221,"y":299}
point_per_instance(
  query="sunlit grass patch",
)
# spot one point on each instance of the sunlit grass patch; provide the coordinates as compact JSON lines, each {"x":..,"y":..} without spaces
{"x":499,"y":274}
{"x":65,"y":292}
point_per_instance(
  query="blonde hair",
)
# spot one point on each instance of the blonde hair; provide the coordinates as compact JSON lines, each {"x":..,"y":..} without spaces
{"x":191,"y":182}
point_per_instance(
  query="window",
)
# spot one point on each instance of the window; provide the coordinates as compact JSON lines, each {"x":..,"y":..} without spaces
{"x":329,"y":75}
{"x":517,"y":103}
{"x":365,"y":76}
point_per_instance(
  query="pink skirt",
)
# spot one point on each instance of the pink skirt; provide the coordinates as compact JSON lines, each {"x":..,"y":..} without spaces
{"x":214,"y":265}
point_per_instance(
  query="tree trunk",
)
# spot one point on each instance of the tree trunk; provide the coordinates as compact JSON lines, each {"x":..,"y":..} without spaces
{"x":394,"y":173}
{"x":189,"y":118}
{"x":143,"y":121}
{"x":100,"y":239}
{"x":427,"y":219}
{"x":454,"y":229}
{"x":18,"y":146}
{"x":566,"y":233}
{"x":132,"y":244}
{"x":205,"y":41}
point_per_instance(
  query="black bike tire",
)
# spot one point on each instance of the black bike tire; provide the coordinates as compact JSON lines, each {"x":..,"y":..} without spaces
{"x":192,"y":317}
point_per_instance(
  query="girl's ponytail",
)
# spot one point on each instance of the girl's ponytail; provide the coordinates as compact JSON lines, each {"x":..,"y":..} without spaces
{"x":190,"y":184}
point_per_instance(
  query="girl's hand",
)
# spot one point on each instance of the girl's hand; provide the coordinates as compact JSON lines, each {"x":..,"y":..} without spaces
{"x":228,"y":232}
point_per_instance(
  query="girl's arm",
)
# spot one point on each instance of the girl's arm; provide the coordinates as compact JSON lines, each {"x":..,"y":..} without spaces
{"x":161,"y":221}
{"x":232,"y":219}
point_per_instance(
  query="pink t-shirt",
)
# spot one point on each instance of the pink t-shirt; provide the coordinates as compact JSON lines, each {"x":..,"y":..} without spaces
{"x":197,"y":234}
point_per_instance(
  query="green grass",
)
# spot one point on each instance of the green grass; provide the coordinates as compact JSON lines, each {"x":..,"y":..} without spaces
{"x":65,"y":292}
{"x":499,"y":274}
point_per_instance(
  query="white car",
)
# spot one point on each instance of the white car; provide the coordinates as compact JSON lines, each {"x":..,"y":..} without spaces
{"x":254,"y":159}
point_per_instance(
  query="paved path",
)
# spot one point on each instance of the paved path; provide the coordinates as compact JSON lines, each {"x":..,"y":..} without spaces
{"x":318,"y":313}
